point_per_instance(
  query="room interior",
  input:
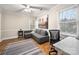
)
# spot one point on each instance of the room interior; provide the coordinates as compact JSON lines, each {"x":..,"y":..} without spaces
{"x":39,"y":29}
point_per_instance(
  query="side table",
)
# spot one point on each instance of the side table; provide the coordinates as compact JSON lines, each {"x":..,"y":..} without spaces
{"x":20,"y":34}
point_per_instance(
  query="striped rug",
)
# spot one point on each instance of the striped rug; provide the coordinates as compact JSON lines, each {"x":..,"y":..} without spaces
{"x":24,"y":47}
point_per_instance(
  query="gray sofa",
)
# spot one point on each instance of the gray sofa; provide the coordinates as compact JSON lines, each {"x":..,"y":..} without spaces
{"x":40,"y":36}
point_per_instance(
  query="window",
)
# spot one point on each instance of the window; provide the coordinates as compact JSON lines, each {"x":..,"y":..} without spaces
{"x":68,"y":21}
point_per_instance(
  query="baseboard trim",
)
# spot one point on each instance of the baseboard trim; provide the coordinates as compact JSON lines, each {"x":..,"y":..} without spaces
{"x":7,"y":38}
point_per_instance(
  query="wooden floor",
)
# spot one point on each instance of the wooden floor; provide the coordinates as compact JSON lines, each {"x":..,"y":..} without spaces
{"x":44,"y":47}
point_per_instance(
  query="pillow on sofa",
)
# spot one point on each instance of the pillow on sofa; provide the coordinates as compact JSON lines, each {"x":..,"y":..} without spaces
{"x":43,"y":32}
{"x":36,"y":30}
{"x":46,"y":33}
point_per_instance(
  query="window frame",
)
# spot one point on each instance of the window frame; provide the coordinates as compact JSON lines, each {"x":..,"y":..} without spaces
{"x":63,"y":10}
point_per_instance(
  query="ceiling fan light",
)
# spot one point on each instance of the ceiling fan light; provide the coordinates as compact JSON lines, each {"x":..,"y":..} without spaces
{"x":27,"y":10}
{"x":28,"y":6}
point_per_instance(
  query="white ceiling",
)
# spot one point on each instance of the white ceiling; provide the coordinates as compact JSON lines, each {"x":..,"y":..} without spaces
{"x":17,"y":7}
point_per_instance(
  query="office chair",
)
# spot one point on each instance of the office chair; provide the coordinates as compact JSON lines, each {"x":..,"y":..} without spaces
{"x":54,"y":38}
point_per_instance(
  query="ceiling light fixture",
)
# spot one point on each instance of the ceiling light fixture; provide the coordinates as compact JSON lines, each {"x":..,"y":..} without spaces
{"x":27,"y":9}
{"x":28,"y":6}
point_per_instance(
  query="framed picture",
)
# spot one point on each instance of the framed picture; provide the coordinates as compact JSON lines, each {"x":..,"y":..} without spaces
{"x":43,"y":22}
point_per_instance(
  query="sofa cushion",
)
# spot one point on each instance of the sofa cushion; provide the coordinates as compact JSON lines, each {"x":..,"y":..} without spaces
{"x":42,"y":32}
{"x":40,"y":38}
{"x":38,"y":35}
{"x":27,"y":33}
{"x":36,"y":30}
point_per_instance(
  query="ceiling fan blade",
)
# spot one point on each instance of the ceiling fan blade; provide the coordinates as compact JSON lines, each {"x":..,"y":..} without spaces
{"x":38,"y":8}
{"x":20,"y":10}
{"x":28,"y":7}
{"x":34,"y":7}
{"x":24,"y":5}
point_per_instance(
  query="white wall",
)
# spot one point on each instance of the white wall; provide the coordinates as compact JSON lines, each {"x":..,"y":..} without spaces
{"x":32,"y":23}
{"x":36,"y":22}
{"x":12,"y":22}
{"x":0,"y":25}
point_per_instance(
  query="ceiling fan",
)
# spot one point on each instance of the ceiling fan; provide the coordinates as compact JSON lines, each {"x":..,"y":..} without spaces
{"x":29,"y":8}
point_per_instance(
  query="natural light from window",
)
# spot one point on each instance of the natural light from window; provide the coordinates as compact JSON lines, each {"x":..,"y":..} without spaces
{"x":68,"y":21}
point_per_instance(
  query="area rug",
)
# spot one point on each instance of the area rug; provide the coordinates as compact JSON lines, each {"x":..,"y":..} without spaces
{"x":23,"y":47}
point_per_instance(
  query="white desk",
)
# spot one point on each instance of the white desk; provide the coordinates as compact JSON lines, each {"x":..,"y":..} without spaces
{"x":69,"y":45}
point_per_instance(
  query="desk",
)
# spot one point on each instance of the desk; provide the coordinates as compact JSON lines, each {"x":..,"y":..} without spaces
{"x":69,"y":45}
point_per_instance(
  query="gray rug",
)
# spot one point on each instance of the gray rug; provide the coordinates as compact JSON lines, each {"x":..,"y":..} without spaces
{"x":24,"y":47}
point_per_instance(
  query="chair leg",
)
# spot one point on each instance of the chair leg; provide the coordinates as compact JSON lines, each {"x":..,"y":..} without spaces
{"x":51,"y":52}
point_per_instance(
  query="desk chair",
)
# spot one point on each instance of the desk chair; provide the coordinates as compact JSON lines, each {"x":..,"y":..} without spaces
{"x":54,"y":37}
